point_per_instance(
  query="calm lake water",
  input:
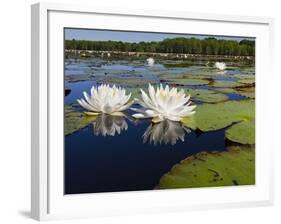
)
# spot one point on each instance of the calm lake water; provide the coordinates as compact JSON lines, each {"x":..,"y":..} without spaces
{"x":99,"y":159}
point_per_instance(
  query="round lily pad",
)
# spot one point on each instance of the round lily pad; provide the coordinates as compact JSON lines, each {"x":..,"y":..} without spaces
{"x":74,"y":121}
{"x":246,"y":81}
{"x":231,"y":114}
{"x":248,"y":92}
{"x":210,"y":117}
{"x":243,"y":132}
{"x":207,"y":96}
{"x":129,"y":81}
{"x":189,"y":82}
{"x":78,"y":78}
{"x":236,"y":166}
{"x":190,"y":122}
{"x":225,"y":84}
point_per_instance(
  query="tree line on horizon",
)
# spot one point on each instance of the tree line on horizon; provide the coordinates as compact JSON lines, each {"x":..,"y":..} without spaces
{"x":207,"y":46}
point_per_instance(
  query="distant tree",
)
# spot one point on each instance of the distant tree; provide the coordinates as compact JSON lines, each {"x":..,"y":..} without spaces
{"x":209,"y":46}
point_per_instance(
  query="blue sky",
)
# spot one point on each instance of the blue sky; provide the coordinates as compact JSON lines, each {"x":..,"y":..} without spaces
{"x":104,"y":35}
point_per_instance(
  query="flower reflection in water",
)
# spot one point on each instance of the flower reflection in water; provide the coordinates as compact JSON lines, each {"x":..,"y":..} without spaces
{"x":167,"y":132}
{"x":106,"y":124}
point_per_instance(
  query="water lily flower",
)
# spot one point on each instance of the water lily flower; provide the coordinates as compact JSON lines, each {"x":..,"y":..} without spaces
{"x":220,"y":65}
{"x":164,"y":103}
{"x":106,"y":124}
{"x":167,"y":132}
{"x":106,"y":99}
{"x":150,"y":61}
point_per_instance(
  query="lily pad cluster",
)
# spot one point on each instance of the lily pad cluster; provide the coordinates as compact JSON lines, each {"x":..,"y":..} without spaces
{"x":237,"y":116}
{"x":235,"y":166}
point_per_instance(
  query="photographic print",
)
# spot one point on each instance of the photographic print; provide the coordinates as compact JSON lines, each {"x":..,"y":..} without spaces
{"x":151,"y":111}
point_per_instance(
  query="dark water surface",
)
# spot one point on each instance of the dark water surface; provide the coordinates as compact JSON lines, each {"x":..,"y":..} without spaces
{"x":124,"y":162}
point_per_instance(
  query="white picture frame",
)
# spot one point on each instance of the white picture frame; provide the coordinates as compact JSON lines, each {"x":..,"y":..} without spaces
{"x":48,"y":201}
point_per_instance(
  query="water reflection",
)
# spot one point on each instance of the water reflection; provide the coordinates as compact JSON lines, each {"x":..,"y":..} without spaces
{"x":106,"y":124}
{"x":167,"y":132}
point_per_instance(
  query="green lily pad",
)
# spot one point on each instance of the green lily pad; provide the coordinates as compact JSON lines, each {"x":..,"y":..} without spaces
{"x":207,"y":96}
{"x":225,"y":84}
{"x":189,"y":82}
{"x":74,"y":121}
{"x":248,"y":70}
{"x":246,"y":81}
{"x":244,"y":76}
{"x":210,"y":117}
{"x":78,"y":78}
{"x":205,"y":72}
{"x":129,"y":81}
{"x":236,"y":166}
{"x":248,"y":92}
{"x":189,"y":122}
{"x":243,"y":132}
{"x":238,"y":115}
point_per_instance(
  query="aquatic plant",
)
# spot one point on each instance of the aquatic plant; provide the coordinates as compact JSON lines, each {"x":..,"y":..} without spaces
{"x":164,"y":103}
{"x":150,"y":61}
{"x":236,"y":166}
{"x":167,"y":132}
{"x":105,"y":99}
{"x":220,"y":65}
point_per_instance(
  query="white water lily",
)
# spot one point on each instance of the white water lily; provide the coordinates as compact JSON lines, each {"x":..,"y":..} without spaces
{"x":106,"y":124}
{"x":150,"y":61}
{"x":220,"y":65}
{"x":164,"y":104}
{"x":167,"y":132}
{"x":105,"y":99}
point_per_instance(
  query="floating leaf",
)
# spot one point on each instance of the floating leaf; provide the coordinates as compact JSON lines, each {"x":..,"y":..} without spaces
{"x":78,"y":78}
{"x":74,"y":121}
{"x":210,"y":117}
{"x":246,"y":81}
{"x":243,"y":132}
{"x":207,"y":96}
{"x":248,"y":92}
{"x":188,"y":82}
{"x":129,"y":81}
{"x":236,"y":166}
{"x":224,"y":83}
{"x":189,"y":122}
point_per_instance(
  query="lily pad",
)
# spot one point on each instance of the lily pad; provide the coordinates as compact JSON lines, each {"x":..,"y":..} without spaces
{"x":224,"y":83}
{"x":189,"y":82}
{"x":243,"y":132}
{"x":248,"y":92}
{"x":238,"y":116}
{"x":129,"y":81}
{"x":74,"y":121}
{"x":210,"y":117}
{"x":189,"y":122}
{"x":236,"y":166}
{"x":246,"y":81}
{"x":78,"y":78}
{"x":205,"y":72}
{"x":207,"y":96}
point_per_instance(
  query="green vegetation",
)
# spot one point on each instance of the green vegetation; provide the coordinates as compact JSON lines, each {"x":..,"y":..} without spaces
{"x":239,"y":115}
{"x":75,"y":121}
{"x":208,"y":46}
{"x":206,"y":96}
{"x":236,"y":166}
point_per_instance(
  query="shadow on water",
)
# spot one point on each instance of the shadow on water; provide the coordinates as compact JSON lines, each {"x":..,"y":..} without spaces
{"x":116,"y":154}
